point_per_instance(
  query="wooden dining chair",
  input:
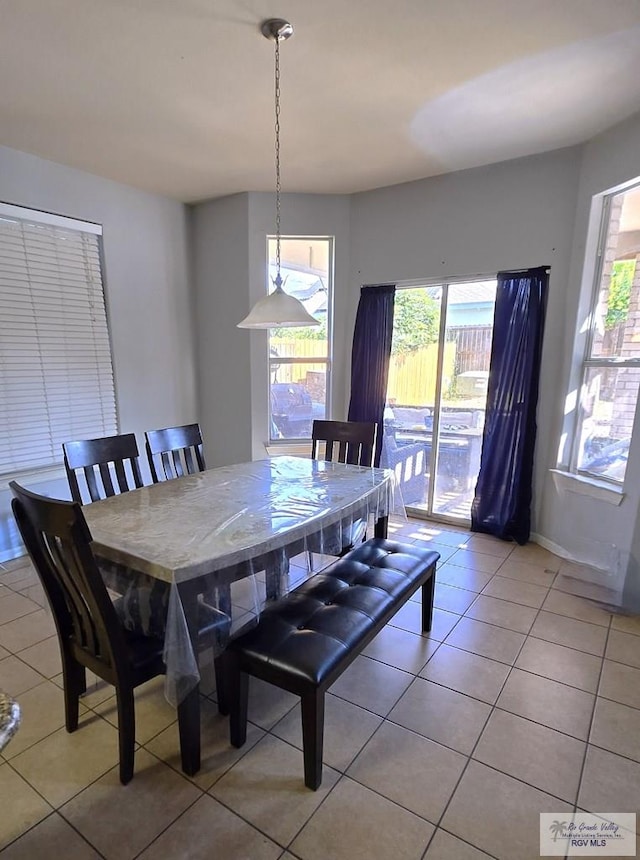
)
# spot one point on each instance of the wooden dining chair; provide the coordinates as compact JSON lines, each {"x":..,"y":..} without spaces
{"x":90,"y":633}
{"x":99,"y":461}
{"x":344,"y":441}
{"x":174,"y":452}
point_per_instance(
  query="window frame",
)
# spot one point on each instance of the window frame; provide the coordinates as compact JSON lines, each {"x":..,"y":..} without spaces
{"x":588,"y":361}
{"x":327,"y":360}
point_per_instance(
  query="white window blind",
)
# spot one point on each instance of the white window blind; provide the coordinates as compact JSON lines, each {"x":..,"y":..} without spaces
{"x":56,"y":376}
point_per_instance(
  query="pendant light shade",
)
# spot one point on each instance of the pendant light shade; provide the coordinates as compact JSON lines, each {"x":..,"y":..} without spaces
{"x":278,"y":309}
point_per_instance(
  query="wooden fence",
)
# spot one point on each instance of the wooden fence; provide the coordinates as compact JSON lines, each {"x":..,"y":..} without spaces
{"x":412,"y":377}
{"x":473,"y":347}
{"x":292,"y":348}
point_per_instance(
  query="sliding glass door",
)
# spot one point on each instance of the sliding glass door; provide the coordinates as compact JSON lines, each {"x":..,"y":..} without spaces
{"x":436,"y":396}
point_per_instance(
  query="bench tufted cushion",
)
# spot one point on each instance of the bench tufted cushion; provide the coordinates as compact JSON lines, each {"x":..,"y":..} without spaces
{"x":304,"y":641}
{"x":307,"y":635}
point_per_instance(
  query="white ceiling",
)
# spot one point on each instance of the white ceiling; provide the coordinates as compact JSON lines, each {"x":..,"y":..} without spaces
{"x":176,"y":96}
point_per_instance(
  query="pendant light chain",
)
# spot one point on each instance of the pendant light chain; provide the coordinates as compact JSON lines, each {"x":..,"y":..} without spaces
{"x":277,"y":129}
{"x":277,"y":309}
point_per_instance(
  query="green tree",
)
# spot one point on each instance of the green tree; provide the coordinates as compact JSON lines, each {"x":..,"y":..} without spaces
{"x":619,"y":292}
{"x":312,"y":332}
{"x":416,"y":319}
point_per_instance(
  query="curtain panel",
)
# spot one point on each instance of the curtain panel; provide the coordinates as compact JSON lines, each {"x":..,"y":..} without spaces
{"x":370,"y":357}
{"x":502,"y":503}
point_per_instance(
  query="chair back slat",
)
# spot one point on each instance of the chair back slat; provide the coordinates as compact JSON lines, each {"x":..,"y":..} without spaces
{"x":98,"y":460}
{"x":58,"y":540}
{"x":73,"y":482}
{"x":171,"y":465}
{"x":345,"y":441}
{"x":174,"y":452}
{"x":189,"y":460}
{"x":123,"y":484}
{"x":105,"y":477}
{"x":89,"y":473}
{"x":84,"y":630}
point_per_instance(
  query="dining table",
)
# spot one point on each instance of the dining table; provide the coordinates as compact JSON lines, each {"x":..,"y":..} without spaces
{"x":241,"y":524}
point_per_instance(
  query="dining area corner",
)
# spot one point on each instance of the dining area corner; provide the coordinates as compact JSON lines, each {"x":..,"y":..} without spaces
{"x":227,"y":531}
{"x":146,"y":579}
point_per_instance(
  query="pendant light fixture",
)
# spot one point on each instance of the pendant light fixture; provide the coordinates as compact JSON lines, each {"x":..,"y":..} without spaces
{"x":278,"y":309}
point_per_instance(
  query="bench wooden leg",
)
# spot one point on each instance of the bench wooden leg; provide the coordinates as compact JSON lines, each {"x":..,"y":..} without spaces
{"x":428,"y":590}
{"x":255,"y":652}
{"x":237,"y":684}
{"x":312,"y":737}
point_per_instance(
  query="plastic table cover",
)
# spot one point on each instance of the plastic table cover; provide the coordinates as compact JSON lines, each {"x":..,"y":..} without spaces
{"x":232,"y":523}
{"x":9,"y":719}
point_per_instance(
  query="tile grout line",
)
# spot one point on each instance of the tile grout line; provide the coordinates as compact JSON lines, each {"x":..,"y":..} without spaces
{"x":58,"y":809}
{"x":490,"y":714}
{"x":418,"y":677}
{"x":592,"y":717}
{"x":343,"y":774}
{"x":383,"y":719}
{"x":512,"y":666}
{"x":468,"y":757}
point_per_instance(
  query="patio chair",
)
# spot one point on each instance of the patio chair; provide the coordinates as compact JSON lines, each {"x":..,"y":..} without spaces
{"x":99,"y":461}
{"x":174,"y":452}
{"x":90,"y":634}
{"x":409,"y":462}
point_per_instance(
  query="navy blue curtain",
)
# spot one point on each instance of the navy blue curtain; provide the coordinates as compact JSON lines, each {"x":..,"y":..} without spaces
{"x":370,"y":357}
{"x":502,"y":503}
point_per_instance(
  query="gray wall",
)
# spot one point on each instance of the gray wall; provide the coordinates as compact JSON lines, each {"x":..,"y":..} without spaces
{"x":147,"y":288}
{"x":515,"y":214}
{"x":230,"y":271}
{"x":220,"y":244}
{"x":521,"y":213}
{"x":568,"y":519}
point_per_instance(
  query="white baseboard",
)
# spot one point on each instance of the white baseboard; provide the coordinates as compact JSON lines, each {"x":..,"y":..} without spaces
{"x":583,"y":570}
{"x":545,"y":543}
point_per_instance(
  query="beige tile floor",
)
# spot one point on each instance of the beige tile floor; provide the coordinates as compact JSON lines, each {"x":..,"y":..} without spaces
{"x":524,"y":699}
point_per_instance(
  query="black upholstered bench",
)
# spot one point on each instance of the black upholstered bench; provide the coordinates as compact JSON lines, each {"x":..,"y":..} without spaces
{"x":304,"y":641}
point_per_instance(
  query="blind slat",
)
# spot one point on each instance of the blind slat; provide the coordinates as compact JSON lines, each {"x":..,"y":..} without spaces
{"x":56,"y":374}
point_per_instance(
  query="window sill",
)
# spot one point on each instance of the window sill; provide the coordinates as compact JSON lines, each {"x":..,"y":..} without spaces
{"x":591,"y":487}
{"x":291,"y":449}
{"x":40,"y":475}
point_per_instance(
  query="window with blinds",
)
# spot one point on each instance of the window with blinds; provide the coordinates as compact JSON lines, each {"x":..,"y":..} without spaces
{"x":56,"y":376}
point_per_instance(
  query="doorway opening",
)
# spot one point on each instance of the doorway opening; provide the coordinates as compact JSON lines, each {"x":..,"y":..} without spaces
{"x":437,"y":394}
